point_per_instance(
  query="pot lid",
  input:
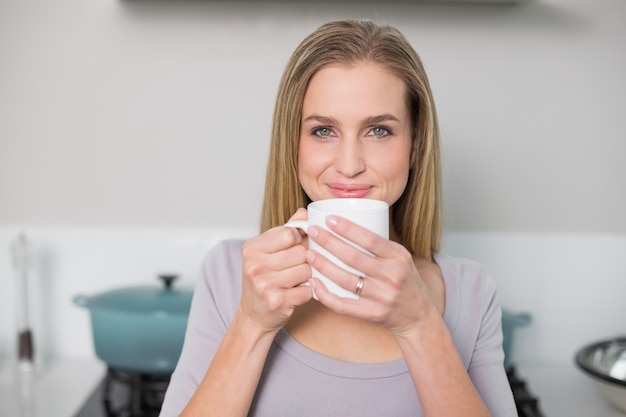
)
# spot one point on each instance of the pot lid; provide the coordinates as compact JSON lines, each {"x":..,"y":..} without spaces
{"x":150,"y":300}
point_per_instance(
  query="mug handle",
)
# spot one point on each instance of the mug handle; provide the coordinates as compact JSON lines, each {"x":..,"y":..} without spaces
{"x":302,"y":225}
{"x":298,"y":224}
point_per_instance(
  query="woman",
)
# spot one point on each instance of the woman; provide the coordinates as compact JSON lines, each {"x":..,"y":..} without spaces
{"x":354,"y":118}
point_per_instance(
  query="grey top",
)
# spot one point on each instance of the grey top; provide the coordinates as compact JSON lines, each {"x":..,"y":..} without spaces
{"x":297,"y":381}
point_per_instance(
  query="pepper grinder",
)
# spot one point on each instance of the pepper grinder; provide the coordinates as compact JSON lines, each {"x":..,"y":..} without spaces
{"x":21,"y":263}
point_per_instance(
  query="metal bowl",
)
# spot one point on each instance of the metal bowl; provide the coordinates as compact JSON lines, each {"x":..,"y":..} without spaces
{"x":605,"y":363}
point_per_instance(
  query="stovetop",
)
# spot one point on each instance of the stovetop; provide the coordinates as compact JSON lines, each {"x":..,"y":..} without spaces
{"x":123,"y":394}
{"x":526,"y":402}
{"x":126,"y":394}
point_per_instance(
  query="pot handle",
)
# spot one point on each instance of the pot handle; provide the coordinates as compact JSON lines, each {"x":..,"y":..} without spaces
{"x":168,"y":280}
{"x":516,"y":319}
{"x":81,"y":300}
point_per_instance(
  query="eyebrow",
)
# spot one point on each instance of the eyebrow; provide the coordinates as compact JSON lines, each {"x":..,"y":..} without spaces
{"x":372,"y":120}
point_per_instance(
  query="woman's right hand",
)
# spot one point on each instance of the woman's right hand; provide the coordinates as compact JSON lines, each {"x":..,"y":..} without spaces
{"x":274,"y":266}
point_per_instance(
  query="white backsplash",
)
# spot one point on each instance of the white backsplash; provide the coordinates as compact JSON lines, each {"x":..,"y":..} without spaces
{"x":573,"y":285}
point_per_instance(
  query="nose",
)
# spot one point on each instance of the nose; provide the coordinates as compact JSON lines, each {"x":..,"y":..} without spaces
{"x":349,"y":160}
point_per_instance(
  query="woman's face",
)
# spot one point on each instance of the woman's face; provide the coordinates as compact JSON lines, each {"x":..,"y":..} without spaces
{"x":356,"y":134}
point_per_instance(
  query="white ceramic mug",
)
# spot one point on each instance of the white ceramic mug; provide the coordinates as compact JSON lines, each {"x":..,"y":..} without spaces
{"x":371,"y":214}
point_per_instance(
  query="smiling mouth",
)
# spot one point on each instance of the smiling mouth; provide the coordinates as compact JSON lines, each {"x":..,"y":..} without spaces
{"x":349,"y":191}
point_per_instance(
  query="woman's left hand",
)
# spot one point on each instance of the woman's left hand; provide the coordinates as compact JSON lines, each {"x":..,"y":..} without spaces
{"x":393,"y":293}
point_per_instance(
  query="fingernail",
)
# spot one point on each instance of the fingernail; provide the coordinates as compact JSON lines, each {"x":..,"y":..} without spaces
{"x":312,"y":232}
{"x":331,"y":220}
{"x":309,"y":256}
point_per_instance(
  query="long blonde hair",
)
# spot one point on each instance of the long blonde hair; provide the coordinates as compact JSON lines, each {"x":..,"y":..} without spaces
{"x":417,"y":214}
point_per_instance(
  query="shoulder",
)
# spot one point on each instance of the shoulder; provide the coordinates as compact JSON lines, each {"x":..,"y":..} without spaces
{"x":223,"y":257}
{"x":228,"y":247}
{"x":220,"y":277}
{"x":471,"y":293}
{"x":465,"y":273}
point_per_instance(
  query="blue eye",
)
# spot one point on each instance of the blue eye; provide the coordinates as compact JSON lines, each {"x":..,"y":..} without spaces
{"x":380,"y":132}
{"x":322,"y":132}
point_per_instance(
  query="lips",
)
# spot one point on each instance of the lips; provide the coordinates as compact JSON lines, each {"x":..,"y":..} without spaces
{"x":339,"y":190}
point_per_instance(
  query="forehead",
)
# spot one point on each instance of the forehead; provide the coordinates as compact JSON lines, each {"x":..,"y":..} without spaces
{"x":363,"y":84}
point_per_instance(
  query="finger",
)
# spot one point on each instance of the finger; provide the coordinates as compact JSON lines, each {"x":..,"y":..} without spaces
{"x":345,"y":279}
{"x":344,"y":251}
{"x":300,"y":214}
{"x":267,"y":284}
{"x":361,"y":308}
{"x":363,"y":237}
{"x":273,"y":240}
{"x":277,"y":270}
{"x":284,"y":259}
{"x":294,"y":276}
{"x":300,"y":295}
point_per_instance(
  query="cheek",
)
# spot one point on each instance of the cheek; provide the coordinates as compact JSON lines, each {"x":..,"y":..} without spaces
{"x":312,"y":160}
{"x":394,"y":167}
{"x":400,"y":177}
{"x":303,"y":163}
{"x":307,"y":166}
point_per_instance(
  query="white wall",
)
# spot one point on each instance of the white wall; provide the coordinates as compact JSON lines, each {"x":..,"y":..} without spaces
{"x":130,"y":123}
{"x":142,"y":112}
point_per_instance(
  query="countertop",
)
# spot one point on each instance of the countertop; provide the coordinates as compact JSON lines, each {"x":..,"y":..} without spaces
{"x":564,"y":391}
{"x":58,"y":389}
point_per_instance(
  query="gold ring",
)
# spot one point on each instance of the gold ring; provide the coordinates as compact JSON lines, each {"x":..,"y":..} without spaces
{"x":359,"y":286}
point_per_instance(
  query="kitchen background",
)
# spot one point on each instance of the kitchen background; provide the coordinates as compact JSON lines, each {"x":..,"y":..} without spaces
{"x":134,"y":136}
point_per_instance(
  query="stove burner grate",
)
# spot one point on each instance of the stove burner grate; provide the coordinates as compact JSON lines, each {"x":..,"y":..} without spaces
{"x":128,"y":394}
{"x":527,"y":404}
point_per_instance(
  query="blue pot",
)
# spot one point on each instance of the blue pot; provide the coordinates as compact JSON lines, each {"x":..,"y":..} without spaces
{"x":511,"y":321}
{"x":139,"y":329}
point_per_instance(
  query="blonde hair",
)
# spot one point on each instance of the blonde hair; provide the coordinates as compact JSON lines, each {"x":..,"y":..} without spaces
{"x":417,"y":214}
